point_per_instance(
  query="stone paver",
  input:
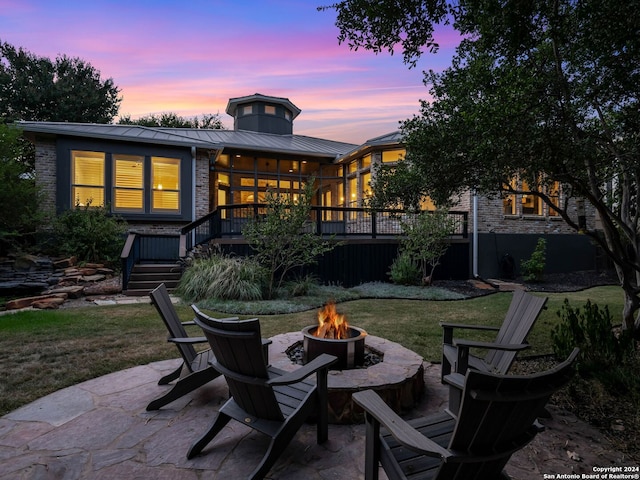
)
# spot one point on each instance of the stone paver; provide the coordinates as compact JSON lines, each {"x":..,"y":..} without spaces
{"x":100,"y":430}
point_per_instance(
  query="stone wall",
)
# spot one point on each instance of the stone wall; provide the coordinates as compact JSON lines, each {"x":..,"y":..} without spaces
{"x":491,"y":218}
{"x":46,"y":174}
{"x":202,"y":185}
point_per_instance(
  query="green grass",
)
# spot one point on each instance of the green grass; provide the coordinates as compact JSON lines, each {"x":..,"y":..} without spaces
{"x":44,"y":351}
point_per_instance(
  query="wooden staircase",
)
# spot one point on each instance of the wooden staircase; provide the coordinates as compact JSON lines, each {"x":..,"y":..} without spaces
{"x":147,"y":276}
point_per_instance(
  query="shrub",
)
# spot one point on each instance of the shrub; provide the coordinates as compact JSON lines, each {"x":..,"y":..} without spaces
{"x":223,"y":277}
{"x":533,"y":268}
{"x":604,"y":353}
{"x":404,"y":270}
{"x":283,"y":238}
{"x":92,"y":234}
{"x":301,"y":285}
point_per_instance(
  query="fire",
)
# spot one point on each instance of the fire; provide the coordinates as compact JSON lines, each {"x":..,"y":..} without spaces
{"x":331,"y":324}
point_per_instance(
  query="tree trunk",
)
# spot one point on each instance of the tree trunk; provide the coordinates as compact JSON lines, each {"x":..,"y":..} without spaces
{"x":631,"y":320}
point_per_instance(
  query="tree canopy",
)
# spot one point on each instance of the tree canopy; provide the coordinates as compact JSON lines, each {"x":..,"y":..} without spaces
{"x":173,"y":120}
{"x":62,"y":90}
{"x":545,"y":91}
{"x":19,"y":215}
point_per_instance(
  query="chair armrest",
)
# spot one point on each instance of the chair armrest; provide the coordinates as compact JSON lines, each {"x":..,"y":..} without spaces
{"x":321,"y":362}
{"x":468,"y":327}
{"x":187,"y":339}
{"x":510,"y":347}
{"x":401,"y":430}
{"x":191,"y":322}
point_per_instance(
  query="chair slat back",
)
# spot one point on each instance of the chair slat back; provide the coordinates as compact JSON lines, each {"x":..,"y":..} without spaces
{"x":237,"y":345}
{"x":497,"y":411}
{"x":522,"y":314}
{"x":162,"y":301}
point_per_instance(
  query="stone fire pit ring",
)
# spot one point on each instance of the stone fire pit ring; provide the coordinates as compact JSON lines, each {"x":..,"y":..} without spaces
{"x":399,"y":378}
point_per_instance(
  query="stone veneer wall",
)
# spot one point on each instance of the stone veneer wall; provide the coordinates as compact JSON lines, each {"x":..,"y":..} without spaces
{"x":202,"y":184}
{"x":46,"y":174}
{"x":491,"y":219}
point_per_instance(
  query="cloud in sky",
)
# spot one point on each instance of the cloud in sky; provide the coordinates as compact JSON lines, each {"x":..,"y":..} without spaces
{"x":191,"y":57}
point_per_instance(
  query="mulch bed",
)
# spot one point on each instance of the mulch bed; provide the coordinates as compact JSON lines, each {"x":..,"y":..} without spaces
{"x":552,"y":282}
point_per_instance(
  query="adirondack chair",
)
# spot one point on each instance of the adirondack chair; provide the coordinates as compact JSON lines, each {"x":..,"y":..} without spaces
{"x":510,"y":339}
{"x":195,"y":369}
{"x":269,"y":400}
{"x":497,"y":417}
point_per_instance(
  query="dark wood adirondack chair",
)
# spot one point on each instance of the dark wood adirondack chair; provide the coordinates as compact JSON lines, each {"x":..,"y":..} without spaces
{"x":497,"y":417}
{"x":510,"y":339}
{"x":271,"y":401}
{"x":196,"y":369}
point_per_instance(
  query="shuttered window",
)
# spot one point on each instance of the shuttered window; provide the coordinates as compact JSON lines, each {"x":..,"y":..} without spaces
{"x":87,"y":178}
{"x":165,"y":173}
{"x":128,"y":183}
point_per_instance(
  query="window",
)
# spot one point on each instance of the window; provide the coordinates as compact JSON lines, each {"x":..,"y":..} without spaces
{"x":366,"y":161}
{"x":87,"y":178}
{"x":553,"y":191}
{"x":269,"y":109}
{"x":509,"y":200}
{"x":247,"y":110}
{"x":353,"y":191}
{"x":128,"y":183}
{"x":365,"y":180}
{"x":165,"y":175}
{"x":531,"y":204}
{"x":389,"y":156}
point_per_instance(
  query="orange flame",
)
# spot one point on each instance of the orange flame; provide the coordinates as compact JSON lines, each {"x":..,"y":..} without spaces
{"x":331,"y":324}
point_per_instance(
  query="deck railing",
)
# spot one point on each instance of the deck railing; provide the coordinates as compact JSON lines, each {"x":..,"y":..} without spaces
{"x":228,"y":221}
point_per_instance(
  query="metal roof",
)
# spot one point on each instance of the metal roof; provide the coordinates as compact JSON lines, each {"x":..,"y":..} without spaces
{"x":392,"y":138}
{"x":200,"y":138}
{"x":235,"y":102}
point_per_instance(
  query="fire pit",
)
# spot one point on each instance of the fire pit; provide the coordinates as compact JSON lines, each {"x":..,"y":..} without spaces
{"x":334,"y":336}
{"x":395,"y":372}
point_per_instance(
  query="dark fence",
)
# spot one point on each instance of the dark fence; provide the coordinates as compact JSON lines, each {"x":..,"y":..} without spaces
{"x":359,"y":261}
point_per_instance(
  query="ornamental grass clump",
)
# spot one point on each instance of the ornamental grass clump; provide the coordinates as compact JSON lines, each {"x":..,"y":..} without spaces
{"x":222,"y":277}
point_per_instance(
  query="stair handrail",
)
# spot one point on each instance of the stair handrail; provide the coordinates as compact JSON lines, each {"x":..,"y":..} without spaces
{"x":129,"y":257}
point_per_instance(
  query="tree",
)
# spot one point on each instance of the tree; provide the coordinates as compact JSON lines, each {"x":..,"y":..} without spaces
{"x":546,"y":91}
{"x":65,"y":90}
{"x":173,"y":120}
{"x":19,"y":215}
{"x":282,"y":239}
{"x":425,"y":239}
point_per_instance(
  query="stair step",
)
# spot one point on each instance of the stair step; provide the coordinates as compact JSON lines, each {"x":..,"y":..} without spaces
{"x":157,"y":268}
{"x":146,"y":276}
{"x":140,"y":292}
{"x":150,"y":285}
{"x":154,"y":277}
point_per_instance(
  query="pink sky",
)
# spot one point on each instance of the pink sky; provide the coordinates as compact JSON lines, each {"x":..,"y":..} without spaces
{"x":191,"y":57}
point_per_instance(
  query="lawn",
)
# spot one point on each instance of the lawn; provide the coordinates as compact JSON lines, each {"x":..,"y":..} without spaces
{"x":43,"y":351}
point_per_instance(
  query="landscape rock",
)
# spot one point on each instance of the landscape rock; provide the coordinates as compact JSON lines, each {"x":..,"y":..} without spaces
{"x":48,"y":303}
{"x":107,"y":287}
{"x":65,"y":262}
{"x":73,"y":291}
{"x":26,"y":263}
{"x":36,"y":279}
{"x":30,"y":301}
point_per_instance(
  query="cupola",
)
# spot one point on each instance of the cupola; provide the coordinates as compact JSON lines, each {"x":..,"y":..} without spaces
{"x":262,"y":113}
